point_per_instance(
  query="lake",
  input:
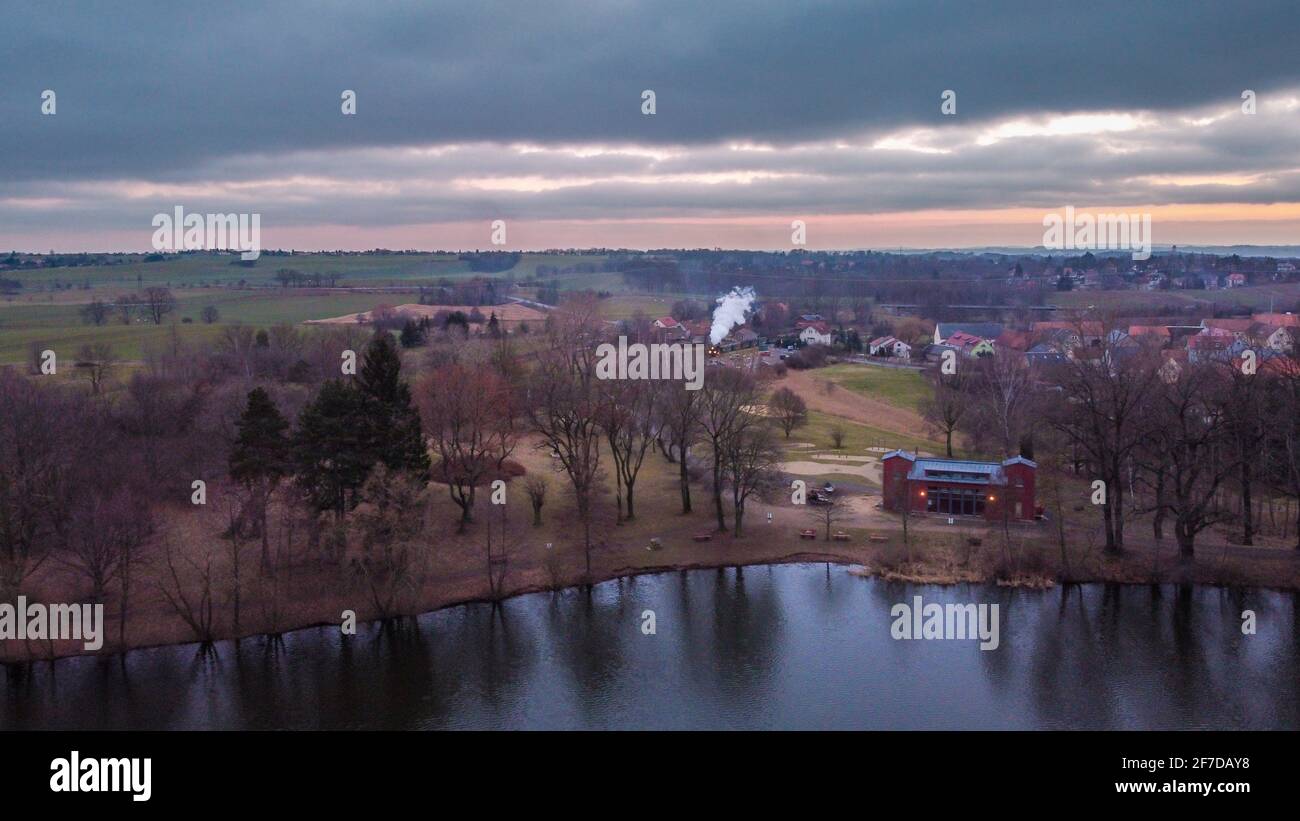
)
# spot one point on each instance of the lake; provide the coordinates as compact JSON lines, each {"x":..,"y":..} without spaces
{"x":804,"y":646}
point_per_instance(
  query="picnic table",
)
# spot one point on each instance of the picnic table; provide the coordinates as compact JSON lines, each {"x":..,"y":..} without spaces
{"x":808,"y":534}
{"x":841,"y":536}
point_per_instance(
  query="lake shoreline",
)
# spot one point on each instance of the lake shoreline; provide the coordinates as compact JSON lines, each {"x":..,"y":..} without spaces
{"x":919,"y":574}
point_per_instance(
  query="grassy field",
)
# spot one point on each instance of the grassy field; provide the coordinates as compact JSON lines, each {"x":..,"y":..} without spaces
{"x":1283,"y":296}
{"x":857,"y":437}
{"x":59,"y":327}
{"x":193,"y":270}
{"x":898,"y":387}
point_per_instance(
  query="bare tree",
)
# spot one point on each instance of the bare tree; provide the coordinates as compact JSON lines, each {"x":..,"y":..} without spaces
{"x":96,"y":361}
{"x":1106,"y":393}
{"x":1194,"y":439}
{"x":837,"y":434}
{"x":189,"y":594}
{"x":157,"y":302}
{"x":789,"y":410}
{"x":751,"y":457}
{"x":947,"y":405}
{"x":536,"y":486}
{"x":827,"y":513}
{"x":681,"y":426}
{"x":630,"y":424}
{"x":389,"y":518}
{"x":1283,"y":415}
{"x":562,"y":403}
{"x":1242,"y":399}
{"x":471,"y":426}
{"x":127,"y":305}
{"x":728,"y":402}
{"x":1003,"y":385}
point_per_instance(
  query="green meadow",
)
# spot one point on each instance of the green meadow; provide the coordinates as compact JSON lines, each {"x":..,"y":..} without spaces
{"x":898,"y":386}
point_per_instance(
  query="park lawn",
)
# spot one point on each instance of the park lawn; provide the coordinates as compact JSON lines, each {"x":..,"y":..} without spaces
{"x":896,"y":386}
{"x":857,"y":438}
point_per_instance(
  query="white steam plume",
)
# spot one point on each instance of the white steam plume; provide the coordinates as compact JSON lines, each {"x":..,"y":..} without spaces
{"x":730,"y":312}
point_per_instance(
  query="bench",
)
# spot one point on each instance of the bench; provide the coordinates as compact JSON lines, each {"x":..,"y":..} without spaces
{"x":703,"y":537}
{"x":841,"y":536}
{"x":807,"y":534}
{"x":878,"y":538}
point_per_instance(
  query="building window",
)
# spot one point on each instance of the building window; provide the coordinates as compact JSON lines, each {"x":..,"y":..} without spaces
{"x":955,"y":501}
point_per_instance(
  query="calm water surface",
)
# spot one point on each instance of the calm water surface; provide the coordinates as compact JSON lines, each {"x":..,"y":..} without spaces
{"x":793,"y":646}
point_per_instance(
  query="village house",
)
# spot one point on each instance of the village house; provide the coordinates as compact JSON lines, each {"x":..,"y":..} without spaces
{"x":970,"y":345}
{"x":1157,"y":335}
{"x":1086,"y":333}
{"x":1234,"y":328}
{"x":1010,"y":340}
{"x":815,"y":333}
{"x":1172,"y":366}
{"x":1044,"y":355}
{"x":956,"y":487}
{"x":984,"y":330}
{"x":1236,"y":280}
{"x":889,"y":346}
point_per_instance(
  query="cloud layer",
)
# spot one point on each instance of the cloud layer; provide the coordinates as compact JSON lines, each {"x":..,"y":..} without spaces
{"x":764,"y":113}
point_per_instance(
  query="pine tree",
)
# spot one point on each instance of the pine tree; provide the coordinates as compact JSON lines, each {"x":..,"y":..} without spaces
{"x":412,"y":335}
{"x":261,"y":456}
{"x":330,"y":448}
{"x":391,"y":422}
{"x":261,"y":448}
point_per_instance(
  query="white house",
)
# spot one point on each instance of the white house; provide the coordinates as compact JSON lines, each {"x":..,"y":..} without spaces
{"x":901,"y":349}
{"x":1279,"y":339}
{"x":881,"y":346}
{"x":817,"y":333}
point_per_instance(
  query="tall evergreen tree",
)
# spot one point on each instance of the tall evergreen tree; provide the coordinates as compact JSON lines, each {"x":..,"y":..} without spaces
{"x":392,"y":424}
{"x":261,"y":456}
{"x":330,"y":448}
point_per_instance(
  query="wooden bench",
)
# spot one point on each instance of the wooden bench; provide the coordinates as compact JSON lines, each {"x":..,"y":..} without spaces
{"x":878,"y":538}
{"x":807,"y":534}
{"x":703,"y":537}
{"x":841,"y":536}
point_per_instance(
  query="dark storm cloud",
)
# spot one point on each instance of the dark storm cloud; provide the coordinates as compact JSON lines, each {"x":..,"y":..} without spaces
{"x":165,"y":90}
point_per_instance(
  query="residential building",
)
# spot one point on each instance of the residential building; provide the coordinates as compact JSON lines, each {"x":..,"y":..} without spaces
{"x":816,"y":333}
{"x":984,"y":330}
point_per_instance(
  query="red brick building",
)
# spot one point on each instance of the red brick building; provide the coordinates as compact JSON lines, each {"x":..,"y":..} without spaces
{"x":956,"y":487}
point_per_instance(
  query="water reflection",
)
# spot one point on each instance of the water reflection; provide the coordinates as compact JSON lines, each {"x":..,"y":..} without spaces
{"x":796,"y":646}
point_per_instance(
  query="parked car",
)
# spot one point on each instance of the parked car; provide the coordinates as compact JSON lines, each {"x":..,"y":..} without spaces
{"x":828,"y":488}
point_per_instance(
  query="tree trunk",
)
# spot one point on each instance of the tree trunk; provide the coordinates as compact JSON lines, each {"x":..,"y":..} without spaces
{"x":1247,"y":520}
{"x":717,"y":495}
{"x":1186,"y":541}
{"x":685,"y":483}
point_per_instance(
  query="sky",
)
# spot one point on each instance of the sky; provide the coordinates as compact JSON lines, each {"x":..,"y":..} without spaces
{"x":765,"y":112}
